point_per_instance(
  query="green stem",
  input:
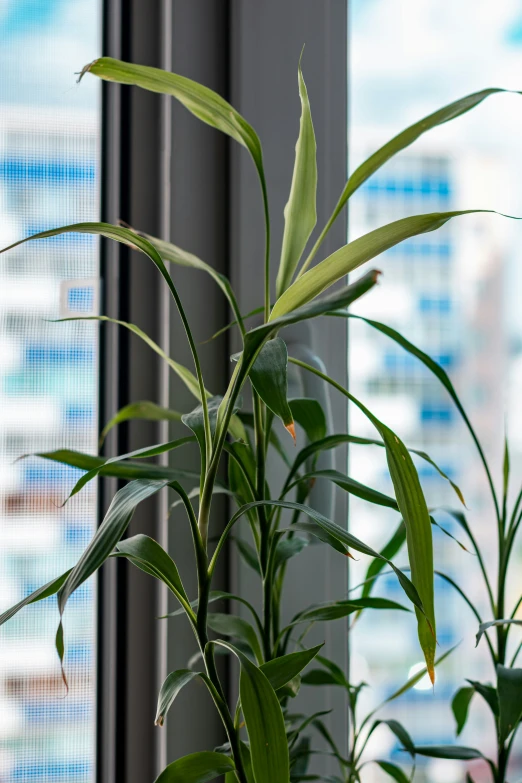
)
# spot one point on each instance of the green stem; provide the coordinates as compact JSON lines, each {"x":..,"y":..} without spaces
{"x":264,"y":528}
{"x":267,"y":248}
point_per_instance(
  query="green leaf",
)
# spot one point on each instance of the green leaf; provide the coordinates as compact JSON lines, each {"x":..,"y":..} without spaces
{"x":288,"y":548}
{"x":124,"y":470}
{"x":332,"y":441}
{"x":412,"y":681}
{"x":255,"y":339}
{"x":459,"y":753}
{"x":351,"y":486}
{"x":269,"y":379}
{"x":432,"y":366}
{"x":195,"y":421}
{"x":399,"y":731}
{"x":51,"y":588}
{"x":407,"y":137}
{"x":248,"y":553}
{"x":414,"y":511}
{"x":460,"y":706}
{"x":391,"y":548}
{"x":264,"y":722}
{"x":393,"y":771}
{"x":325,"y":530}
{"x":310,"y":416}
{"x":356,"y":253}
{"x":483,"y":627}
{"x":175,"y":255}
{"x":280,"y":671}
{"x":144,"y":409}
{"x":197,"y":768}
{"x":174,"y":682}
{"x":112,"y":528}
{"x":509,"y":687}
{"x":489,"y":694}
{"x":203,"y":103}
{"x":300,"y":211}
{"x":320,"y":677}
{"x":148,"y":451}
{"x":238,"y":628}
{"x":339,"y":609}
{"x":147,"y":554}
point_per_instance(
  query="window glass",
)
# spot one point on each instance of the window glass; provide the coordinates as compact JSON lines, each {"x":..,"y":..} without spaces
{"x":49,"y":166}
{"x":455,"y":293}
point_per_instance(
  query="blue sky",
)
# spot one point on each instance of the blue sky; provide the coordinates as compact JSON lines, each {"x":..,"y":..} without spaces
{"x":43,"y":44}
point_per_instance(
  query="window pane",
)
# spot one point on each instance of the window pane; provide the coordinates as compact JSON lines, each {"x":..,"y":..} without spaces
{"x":453,"y":292}
{"x":49,"y":165}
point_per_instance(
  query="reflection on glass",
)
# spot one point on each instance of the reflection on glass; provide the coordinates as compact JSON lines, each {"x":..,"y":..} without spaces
{"x":452,"y":292}
{"x":49,"y":156}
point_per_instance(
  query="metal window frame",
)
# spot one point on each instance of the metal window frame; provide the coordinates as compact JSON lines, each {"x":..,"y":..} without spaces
{"x":166,"y":173}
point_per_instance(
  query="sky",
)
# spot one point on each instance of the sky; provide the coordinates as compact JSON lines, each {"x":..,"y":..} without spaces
{"x":42,"y":44}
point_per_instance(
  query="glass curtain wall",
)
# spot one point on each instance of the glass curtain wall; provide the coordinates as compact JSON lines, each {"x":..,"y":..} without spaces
{"x":455,"y":293}
{"x":49,"y":173}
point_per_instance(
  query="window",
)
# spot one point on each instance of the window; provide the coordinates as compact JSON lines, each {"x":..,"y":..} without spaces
{"x":440,"y":291}
{"x":49,"y":165}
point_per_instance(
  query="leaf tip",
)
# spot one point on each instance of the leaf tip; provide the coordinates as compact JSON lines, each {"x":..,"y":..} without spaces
{"x":159,"y":720}
{"x":86,"y":69}
{"x":291,"y":429}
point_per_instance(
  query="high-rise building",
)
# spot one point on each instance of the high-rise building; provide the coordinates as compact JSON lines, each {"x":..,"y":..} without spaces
{"x":48,"y":400}
{"x":443,"y":291}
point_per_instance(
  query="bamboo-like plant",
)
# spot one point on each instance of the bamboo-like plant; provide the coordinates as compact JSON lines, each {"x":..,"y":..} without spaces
{"x":270,"y":659}
{"x":504,"y":699}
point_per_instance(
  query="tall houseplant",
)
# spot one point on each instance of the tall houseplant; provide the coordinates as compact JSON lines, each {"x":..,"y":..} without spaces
{"x":269,"y":657}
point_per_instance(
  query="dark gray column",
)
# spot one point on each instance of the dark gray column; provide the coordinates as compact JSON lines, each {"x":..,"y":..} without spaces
{"x":135,"y":189}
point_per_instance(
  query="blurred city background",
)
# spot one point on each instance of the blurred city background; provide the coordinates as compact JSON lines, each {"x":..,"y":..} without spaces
{"x":455,"y":294}
{"x":49,"y":172}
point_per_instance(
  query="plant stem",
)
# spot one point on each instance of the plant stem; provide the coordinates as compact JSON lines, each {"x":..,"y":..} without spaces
{"x":264,"y":527}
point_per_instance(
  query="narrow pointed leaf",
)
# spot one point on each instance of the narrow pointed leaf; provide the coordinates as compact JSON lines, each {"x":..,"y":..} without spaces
{"x":124,"y":470}
{"x":340,"y":609}
{"x":310,"y":416}
{"x":300,"y":211}
{"x":150,"y":556}
{"x":269,"y":379}
{"x":399,"y":731}
{"x":205,"y":104}
{"x":483,"y":627}
{"x":356,"y":253}
{"x":334,"y":533}
{"x":489,"y":694}
{"x":108,"y":534}
{"x":509,"y":687}
{"x":391,"y":548}
{"x":184,"y":374}
{"x":281,"y":670}
{"x":353,"y":487}
{"x":237,"y":628}
{"x":456,"y":752}
{"x":148,"y":451}
{"x":333,"y":441}
{"x":393,"y":771}
{"x":175,"y":255}
{"x":146,"y":410}
{"x":51,"y":588}
{"x":410,"y":135}
{"x":264,"y":722}
{"x":288,"y":548}
{"x":460,"y":706}
{"x":414,"y":511}
{"x":197,"y":768}
{"x":174,"y":682}
{"x":412,"y":681}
